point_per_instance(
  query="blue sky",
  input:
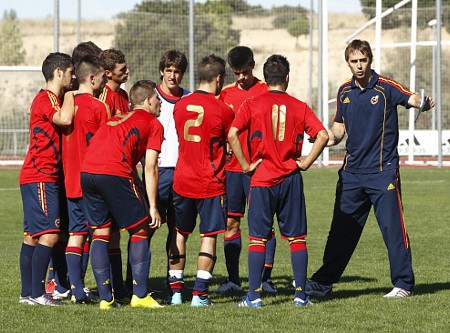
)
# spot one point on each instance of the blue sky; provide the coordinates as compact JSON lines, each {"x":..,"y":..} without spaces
{"x":105,"y":9}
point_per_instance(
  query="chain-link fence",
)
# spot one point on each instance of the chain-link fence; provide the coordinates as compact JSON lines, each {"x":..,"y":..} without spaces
{"x":153,"y":27}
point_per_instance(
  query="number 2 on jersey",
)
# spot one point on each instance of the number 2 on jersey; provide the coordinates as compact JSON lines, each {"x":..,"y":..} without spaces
{"x":193,"y":122}
{"x":278,"y":121}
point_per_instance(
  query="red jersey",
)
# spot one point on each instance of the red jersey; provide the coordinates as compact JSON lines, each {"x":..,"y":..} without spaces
{"x":202,"y":124}
{"x":90,"y":114}
{"x":117,"y":101}
{"x":276,"y":123}
{"x":234,"y":96}
{"x":118,"y":147}
{"x":43,"y":160}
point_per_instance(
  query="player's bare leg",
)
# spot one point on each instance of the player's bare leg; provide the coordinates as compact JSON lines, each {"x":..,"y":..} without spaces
{"x":205,"y":265}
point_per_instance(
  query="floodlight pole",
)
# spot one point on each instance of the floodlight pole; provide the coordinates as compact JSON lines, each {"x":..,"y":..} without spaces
{"x":56,"y":26}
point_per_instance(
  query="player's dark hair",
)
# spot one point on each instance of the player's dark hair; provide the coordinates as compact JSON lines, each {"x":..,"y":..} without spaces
{"x":88,"y":65}
{"x":240,"y":56}
{"x":275,"y":70}
{"x":54,"y":61}
{"x":84,"y":49}
{"x":140,"y":91}
{"x":173,"y":58}
{"x":112,"y":57}
{"x":210,"y":67}
{"x":361,"y":46}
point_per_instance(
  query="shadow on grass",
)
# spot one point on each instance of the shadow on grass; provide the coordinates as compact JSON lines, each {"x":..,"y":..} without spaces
{"x":286,"y":290}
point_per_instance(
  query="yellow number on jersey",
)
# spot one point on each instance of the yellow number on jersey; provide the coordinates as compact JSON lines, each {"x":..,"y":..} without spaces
{"x":193,"y":122}
{"x":278,"y":121}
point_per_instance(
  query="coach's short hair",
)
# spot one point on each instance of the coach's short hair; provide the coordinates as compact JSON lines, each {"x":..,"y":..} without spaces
{"x":240,"y":56}
{"x":210,"y":67}
{"x":276,"y":69}
{"x":140,"y":91}
{"x":173,"y":58}
{"x":362,"y":46}
{"x":112,"y":57}
{"x":88,"y":65}
{"x":54,"y":61}
{"x":84,"y":49}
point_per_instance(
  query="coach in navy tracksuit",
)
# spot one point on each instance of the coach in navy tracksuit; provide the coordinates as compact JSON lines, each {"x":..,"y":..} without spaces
{"x":367,"y":112}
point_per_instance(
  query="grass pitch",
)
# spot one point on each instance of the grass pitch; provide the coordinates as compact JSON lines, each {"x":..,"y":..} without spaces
{"x":356,"y":304}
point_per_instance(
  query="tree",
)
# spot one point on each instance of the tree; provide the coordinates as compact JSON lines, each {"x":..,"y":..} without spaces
{"x":297,"y":28}
{"x":11,"y":45}
{"x":286,"y":14}
{"x":155,"y":26}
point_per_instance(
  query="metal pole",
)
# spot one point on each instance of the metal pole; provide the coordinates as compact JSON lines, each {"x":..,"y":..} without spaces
{"x":320,"y":70}
{"x":79,"y":22}
{"x":56,"y":26}
{"x":432,"y":24}
{"x":412,"y":79}
{"x":311,"y":37}
{"x":324,"y":41}
{"x":378,"y":37}
{"x":438,"y":79}
{"x":191,"y":46}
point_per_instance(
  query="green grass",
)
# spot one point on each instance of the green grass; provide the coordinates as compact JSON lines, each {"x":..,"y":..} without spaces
{"x":356,"y":304}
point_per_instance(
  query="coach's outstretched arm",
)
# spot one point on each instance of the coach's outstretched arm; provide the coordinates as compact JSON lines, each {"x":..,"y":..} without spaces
{"x":320,"y":143}
{"x":415,"y":100}
{"x":235,"y":144}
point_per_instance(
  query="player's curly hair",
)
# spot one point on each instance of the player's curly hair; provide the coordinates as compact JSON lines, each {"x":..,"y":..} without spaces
{"x":173,"y":58}
{"x":112,"y":57}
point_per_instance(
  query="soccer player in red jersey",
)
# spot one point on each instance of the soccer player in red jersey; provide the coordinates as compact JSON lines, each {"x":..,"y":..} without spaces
{"x":109,"y":191}
{"x":117,"y":73}
{"x":117,"y":100}
{"x":90,"y":115}
{"x":202,"y":122}
{"x":276,"y":123}
{"x":241,"y":61}
{"x":41,"y":176}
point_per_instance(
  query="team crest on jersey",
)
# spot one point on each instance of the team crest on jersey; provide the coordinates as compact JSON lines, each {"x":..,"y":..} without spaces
{"x":57,"y":223}
{"x":374,"y":100}
{"x":346,"y":100}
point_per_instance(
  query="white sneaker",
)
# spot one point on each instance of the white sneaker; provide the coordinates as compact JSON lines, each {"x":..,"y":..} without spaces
{"x":46,"y":300}
{"x":26,"y":300}
{"x":398,"y":293}
{"x":59,"y":296}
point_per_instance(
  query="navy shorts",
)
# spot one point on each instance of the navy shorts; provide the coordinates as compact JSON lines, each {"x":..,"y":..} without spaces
{"x":165,"y":196}
{"x":110,"y":197}
{"x":238,"y":186}
{"x":77,"y":220}
{"x":286,"y":200}
{"x":40,"y":208}
{"x":212,"y":213}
